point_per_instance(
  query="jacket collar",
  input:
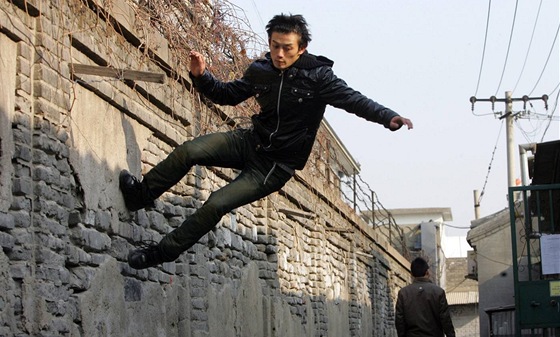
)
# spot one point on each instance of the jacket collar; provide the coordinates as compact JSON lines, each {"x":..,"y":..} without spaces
{"x":308,"y":61}
{"x":422,"y":279}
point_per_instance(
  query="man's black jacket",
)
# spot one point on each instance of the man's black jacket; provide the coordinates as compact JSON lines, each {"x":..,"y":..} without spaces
{"x":292,"y":103}
{"x":422,"y":310}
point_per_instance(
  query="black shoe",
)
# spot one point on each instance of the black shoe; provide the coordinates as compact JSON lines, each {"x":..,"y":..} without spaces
{"x":131,"y":189}
{"x":146,"y":257}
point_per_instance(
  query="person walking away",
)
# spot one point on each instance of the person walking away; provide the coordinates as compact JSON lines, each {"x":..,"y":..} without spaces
{"x":422,"y":309}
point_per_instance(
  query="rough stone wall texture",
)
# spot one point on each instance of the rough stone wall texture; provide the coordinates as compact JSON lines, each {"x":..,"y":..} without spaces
{"x":465,"y":316}
{"x":466,"y":321}
{"x":265,"y":270}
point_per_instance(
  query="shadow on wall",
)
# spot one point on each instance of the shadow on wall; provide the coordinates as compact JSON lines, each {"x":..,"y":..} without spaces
{"x":7,"y":102}
{"x":66,"y":274}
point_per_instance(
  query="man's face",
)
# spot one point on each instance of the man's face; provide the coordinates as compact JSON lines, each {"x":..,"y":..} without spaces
{"x":284,"y":49}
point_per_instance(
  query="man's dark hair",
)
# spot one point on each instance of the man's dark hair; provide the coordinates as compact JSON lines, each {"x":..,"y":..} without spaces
{"x":419,"y":267}
{"x":285,"y":23}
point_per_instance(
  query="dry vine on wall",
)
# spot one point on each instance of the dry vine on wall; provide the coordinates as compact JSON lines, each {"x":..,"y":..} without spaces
{"x":221,"y":32}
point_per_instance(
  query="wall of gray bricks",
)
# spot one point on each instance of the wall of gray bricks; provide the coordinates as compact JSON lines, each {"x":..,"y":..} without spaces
{"x":297,"y":263}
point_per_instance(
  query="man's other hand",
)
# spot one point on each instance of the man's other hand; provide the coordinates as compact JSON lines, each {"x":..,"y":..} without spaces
{"x":397,"y":122}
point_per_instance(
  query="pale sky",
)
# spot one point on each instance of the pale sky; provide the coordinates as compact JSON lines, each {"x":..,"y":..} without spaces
{"x":423,"y":60}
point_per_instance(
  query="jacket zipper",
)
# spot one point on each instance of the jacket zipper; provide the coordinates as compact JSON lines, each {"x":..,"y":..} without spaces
{"x":269,"y":173}
{"x":277,"y":111}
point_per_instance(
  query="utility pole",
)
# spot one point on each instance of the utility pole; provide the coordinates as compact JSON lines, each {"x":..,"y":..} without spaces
{"x":509,"y":116}
{"x":510,"y":139}
{"x":476,"y":195}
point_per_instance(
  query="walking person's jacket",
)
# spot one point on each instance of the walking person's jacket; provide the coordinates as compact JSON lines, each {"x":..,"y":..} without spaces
{"x":422,"y":311}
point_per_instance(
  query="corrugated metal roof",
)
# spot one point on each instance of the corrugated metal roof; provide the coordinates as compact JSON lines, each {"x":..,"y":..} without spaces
{"x":462,"y":297}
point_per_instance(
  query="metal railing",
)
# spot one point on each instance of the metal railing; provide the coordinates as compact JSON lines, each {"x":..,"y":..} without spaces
{"x":535,"y":227}
{"x":365,"y":202}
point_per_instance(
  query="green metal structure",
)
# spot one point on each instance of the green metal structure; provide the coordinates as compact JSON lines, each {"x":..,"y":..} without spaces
{"x":535,"y":236}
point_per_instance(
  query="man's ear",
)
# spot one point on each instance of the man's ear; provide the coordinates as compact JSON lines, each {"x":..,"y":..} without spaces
{"x":301,"y":50}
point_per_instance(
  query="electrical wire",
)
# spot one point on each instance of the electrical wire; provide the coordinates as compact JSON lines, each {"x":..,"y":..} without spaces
{"x":490,"y":164}
{"x":528,"y":47}
{"x":529,"y":135}
{"x":492,"y":260}
{"x":480,"y":115}
{"x":550,"y":117}
{"x":457,"y":227}
{"x":456,"y":286}
{"x":483,"y":48}
{"x":553,"y":90}
{"x":547,"y":59}
{"x":508,"y":48}
{"x":259,"y":13}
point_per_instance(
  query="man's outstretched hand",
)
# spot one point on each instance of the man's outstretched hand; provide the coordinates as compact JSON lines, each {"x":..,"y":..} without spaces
{"x":397,"y":122}
{"x":198,"y":64}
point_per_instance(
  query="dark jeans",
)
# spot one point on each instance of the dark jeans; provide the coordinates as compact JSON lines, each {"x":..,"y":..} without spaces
{"x":259,"y":177}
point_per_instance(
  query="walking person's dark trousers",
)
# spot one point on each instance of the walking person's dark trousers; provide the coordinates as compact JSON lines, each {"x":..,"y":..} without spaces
{"x":259,"y":177}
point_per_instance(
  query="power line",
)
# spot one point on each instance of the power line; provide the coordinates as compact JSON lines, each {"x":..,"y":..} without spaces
{"x":484,"y":47}
{"x":552,"y":114}
{"x":529,"y":135}
{"x":490,"y":165}
{"x":529,"y":47}
{"x":457,"y":227}
{"x":493,"y":260}
{"x":509,"y":45}
{"x":547,"y":59}
{"x":259,"y":13}
{"x":553,"y":90}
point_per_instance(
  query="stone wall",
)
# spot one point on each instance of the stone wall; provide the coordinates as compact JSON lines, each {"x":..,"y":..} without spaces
{"x":494,"y":264}
{"x":466,"y":321}
{"x":297,"y":263}
{"x":462,"y":296}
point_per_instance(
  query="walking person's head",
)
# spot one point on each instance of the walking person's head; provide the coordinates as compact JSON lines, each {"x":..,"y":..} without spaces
{"x":419,"y":267}
{"x":288,"y":38}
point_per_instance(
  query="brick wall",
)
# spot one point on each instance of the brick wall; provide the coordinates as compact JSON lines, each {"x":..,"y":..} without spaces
{"x":297,"y":263}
